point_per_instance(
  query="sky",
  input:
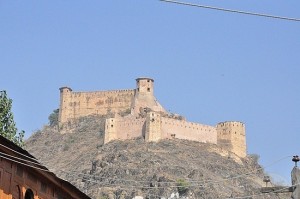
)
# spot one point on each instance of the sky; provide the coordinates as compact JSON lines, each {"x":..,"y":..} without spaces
{"x":209,"y":66}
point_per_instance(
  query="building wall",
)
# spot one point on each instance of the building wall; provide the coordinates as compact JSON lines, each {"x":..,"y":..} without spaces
{"x":182,"y":129}
{"x":77,"y":104}
{"x":15,"y":179}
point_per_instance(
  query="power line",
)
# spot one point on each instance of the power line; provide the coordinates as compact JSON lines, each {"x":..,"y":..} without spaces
{"x":194,"y":182}
{"x":144,"y":187}
{"x":132,"y":186}
{"x":232,"y":11}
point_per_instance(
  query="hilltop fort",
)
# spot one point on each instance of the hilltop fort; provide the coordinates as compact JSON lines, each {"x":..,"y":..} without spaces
{"x":137,"y":113}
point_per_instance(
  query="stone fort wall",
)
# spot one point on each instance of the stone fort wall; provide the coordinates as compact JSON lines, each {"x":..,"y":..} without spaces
{"x":173,"y":128}
{"x":155,"y":127}
{"x":124,"y":128}
{"x":146,"y":117}
{"x":78,"y":104}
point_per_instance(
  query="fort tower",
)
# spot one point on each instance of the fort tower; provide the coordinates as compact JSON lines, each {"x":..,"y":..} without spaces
{"x":65,"y":93}
{"x":231,"y":137}
{"x":144,"y":86}
{"x":144,"y":97}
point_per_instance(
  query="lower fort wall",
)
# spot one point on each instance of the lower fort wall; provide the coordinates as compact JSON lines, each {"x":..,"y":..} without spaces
{"x":129,"y":128}
{"x":124,"y":128}
{"x":173,"y":128}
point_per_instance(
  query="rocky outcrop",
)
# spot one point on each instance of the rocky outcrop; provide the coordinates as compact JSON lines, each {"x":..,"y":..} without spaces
{"x":169,"y":168}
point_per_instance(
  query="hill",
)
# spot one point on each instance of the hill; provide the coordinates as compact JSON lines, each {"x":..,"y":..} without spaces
{"x":125,"y":169}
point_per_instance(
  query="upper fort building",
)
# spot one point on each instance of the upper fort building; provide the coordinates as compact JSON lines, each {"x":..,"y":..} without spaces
{"x":137,"y":113}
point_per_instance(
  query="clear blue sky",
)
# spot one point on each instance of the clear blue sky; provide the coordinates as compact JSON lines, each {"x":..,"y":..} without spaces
{"x":209,"y":66}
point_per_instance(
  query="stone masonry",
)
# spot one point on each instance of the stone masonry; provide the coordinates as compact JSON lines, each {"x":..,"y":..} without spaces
{"x":137,"y":113}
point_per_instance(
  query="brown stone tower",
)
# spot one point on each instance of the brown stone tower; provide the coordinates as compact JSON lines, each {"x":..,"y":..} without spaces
{"x":231,"y":136}
{"x":153,"y":127}
{"x":110,"y":130}
{"x":144,"y":96}
{"x":65,"y":93}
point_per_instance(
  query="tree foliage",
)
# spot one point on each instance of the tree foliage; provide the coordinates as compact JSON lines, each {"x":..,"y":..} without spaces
{"x":53,"y":118}
{"x":7,"y":124}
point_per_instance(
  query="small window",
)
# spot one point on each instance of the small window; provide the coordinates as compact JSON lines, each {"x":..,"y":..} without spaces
{"x":148,"y":89}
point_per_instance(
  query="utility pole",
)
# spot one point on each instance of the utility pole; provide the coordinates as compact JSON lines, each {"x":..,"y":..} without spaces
{"x":296,"y":179}
{"x":295,"y":188}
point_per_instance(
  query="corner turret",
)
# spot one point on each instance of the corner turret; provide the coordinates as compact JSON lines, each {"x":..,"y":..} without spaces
{"x":231,"y":136}
{"x":65,"y":93}
{"x":144,"y":86}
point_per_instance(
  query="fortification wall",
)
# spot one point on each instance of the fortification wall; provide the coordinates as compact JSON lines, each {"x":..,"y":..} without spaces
{"x":124,"y":128}
{"x":232,"y":137}
{"x":128,"y":128}
{"x":182,"y":129}
{"x":77,"y":104}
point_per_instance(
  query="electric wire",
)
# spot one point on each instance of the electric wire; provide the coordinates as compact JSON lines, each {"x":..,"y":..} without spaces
{"x":144,"y":187}
{"x":203,"y":181}
{"x":190,"y":181}
{"x":231,"y":10}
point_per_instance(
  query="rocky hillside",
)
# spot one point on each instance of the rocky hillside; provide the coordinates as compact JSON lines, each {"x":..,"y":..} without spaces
{"x":126,"y":169}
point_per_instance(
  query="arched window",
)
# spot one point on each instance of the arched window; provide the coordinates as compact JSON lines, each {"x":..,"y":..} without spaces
{"x":29,"y":194}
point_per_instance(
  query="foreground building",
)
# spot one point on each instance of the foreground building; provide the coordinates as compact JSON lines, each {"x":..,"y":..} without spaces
{"x":23,"y":177}
{"x":137,"y":113}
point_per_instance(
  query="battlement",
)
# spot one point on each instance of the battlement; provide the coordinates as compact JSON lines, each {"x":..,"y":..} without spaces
{"x":231,"y":136}
{"x":147,"y":118}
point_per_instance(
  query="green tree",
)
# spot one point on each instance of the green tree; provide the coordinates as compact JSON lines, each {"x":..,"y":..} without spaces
{"x":7,"y":124}
{"x":53,"y":118}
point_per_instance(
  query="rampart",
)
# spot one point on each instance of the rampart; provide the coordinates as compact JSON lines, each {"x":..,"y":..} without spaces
{"x":181,"y":129}
{"x":77,"y":104}
{"x":146,"y":118}
{"x":123,"y":128}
